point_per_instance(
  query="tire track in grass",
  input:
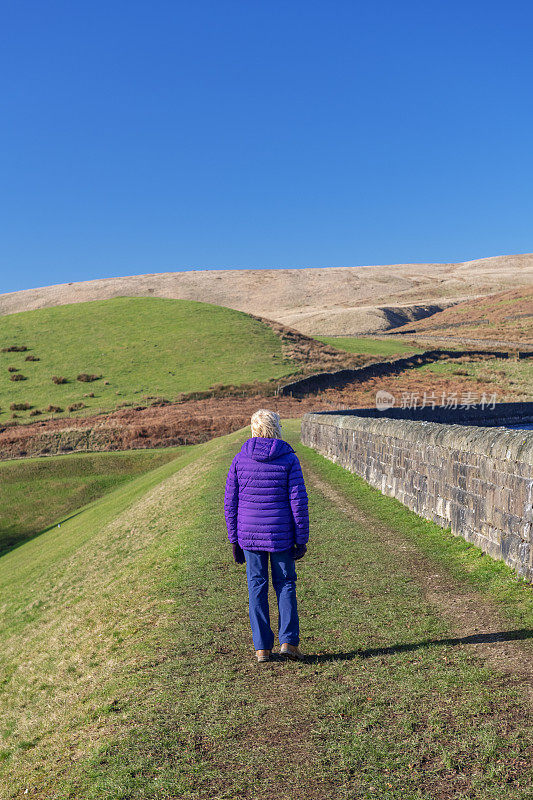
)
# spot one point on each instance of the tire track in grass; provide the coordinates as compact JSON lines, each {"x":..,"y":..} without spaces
{"x":476,"y":624}
{"x":401,"y":711}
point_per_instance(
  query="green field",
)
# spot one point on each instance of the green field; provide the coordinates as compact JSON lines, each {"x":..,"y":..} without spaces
{"x":142,"y":347}
{"x":375,"y":347}
{"x":511,"y":379}
{"x":38,"y":492}
{"x":128,"y":669}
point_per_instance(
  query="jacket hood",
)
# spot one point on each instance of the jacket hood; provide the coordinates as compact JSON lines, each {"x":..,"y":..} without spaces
{"x":263,"y":449}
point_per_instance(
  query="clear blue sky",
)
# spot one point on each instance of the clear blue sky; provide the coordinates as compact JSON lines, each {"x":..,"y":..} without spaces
{"x":152,"y":136}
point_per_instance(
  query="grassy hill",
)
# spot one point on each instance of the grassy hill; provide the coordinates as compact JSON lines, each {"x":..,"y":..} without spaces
{"x":135,"y":347}
{"x":36,"y":493}
{"x":128,"y":669}
{"x":505,"y":316}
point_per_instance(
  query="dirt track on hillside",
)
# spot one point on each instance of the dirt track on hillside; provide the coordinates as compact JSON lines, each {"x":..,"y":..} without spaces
{"x":321,"y":301}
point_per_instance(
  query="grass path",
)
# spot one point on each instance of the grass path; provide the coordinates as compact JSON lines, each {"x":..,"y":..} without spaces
{"x":473,"y":618}
{"x":136,"y":677}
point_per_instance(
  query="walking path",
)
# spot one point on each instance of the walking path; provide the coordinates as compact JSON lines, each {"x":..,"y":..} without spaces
{"x":415,"y":684}
{"x":475,"y":622}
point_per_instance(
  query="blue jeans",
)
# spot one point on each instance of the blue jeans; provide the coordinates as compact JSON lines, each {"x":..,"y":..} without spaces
{"x":284,"y":581}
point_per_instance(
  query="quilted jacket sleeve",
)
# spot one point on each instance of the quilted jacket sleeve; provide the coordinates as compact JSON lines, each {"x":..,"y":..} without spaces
{"x":231,"y":502}
{"x":298,"y":501}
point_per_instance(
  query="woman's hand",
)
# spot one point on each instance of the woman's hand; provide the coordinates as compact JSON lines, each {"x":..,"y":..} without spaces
{"x":299,"y":551}
{"x":238,"y":554}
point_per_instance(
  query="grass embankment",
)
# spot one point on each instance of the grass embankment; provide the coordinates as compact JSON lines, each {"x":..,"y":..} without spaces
{"x":142,"y":347}
{"x":377,"y":347}
{"x":38,"y":492}
{"x":130,"y":672}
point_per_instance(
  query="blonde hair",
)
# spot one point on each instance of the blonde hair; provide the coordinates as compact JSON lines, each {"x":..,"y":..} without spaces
{"x":266,"y":424}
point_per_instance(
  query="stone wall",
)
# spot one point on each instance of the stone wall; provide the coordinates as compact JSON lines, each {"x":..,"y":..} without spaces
{"x":495,"y":414}
{"x":341,"y":377}
{"x":477,"y":481}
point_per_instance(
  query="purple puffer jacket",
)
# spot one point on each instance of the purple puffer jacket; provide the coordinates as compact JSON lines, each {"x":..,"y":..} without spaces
{"x":265,"y":502}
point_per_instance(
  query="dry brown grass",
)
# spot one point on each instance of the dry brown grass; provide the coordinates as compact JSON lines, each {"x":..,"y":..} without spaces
{"x":341,"y":301}
{"x":505,"y":316}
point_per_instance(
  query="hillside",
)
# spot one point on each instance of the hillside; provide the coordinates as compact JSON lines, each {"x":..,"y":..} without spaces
{"x":141,"y":350}
{"x":137,"y":348}
{"x":505,"y":316}
{"x":128,"y":669}
{"x":36,"y":493}
{"x":334,"y":301}
{"x":371,"y":346}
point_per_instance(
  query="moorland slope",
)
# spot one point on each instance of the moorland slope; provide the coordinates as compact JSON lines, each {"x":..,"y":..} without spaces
{"x":324,"y":301}
{"x":505,"y":316}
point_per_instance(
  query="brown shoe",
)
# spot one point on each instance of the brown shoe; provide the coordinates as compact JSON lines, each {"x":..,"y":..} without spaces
{"x":263,"y":655}
{"x":291,"y":651}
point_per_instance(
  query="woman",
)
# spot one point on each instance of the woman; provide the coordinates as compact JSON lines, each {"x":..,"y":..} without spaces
{"x":267,"y":518}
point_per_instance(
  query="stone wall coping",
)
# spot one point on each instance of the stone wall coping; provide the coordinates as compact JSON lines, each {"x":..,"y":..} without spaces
{"x":496,"y":442}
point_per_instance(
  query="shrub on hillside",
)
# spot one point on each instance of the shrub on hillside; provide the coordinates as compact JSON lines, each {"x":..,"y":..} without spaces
{"x":84,"y":377}
{"x":54,"y":409}
{"x":59,"y":379}
{"x":32,"y":358}
{"x":14,"y":348}
{"x":35,"y":412}
{"x":89,"y":394}
{"x":12,"y":369}
{"x":76,"y":406}
{"x":20,"y":406}
{"x":18,"y":376}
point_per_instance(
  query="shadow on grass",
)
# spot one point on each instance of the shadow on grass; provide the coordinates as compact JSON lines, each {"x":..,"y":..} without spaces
{"x":478,"y":638}
{"x":13,"y":542}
